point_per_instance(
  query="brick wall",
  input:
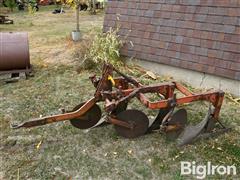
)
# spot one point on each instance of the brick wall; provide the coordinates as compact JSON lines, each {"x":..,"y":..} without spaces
{"x":201,"y":35}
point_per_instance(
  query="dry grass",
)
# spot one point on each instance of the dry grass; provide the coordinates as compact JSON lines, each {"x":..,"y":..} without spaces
{"x":60,"y":151}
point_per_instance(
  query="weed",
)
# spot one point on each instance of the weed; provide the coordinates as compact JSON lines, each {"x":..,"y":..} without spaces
{"x":105,"y":48}
{"x":11,"y":4}
{"x":178,"y":176}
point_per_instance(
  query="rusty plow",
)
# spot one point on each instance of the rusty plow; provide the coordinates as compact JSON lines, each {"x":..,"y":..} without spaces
{"x":117,"y":92}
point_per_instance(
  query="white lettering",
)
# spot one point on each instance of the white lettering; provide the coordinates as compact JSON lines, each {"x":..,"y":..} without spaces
{"x":193,"y":167}
{"x":234,"y":170}
{"x":221,"y":170}
{"x":213,"y":169}
{"x":201,"y":172}
{"x":209,"y":168}
{"x":185,"y":168}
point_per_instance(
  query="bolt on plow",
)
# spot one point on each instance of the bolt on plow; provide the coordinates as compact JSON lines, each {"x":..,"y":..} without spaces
{"x":117,"y":93}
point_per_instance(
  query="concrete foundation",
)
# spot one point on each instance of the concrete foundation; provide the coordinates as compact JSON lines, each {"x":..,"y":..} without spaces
{"x":194,"y":78}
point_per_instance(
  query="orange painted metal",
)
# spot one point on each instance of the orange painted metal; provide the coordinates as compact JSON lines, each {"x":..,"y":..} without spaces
{"x":115,"y":121}
{"x":124,"y":88}
{"x":183,"y":89}
{"x":60,"y":117}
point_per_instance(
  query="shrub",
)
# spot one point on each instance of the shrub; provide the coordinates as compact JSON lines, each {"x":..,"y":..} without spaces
{"x":105,"y":48}
{"x":11,"y":4}
{"x":32,"y":6}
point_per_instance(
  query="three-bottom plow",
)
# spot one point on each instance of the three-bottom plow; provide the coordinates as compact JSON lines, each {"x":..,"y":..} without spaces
{"x":131,"y":123}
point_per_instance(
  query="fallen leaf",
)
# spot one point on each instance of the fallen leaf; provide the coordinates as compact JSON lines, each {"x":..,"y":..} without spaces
{"x":151,"y":75}
{"x":130,"y":151}
{"x":177,"y":156}
{"x":38,"y":145}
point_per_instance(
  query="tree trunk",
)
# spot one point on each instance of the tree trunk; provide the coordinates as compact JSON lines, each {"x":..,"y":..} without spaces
{"x":77,"y":18}
{"x":93,"y":6}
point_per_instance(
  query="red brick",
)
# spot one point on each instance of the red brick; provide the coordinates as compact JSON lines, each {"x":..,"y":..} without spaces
{"x":171,"y":54}
{"x":197,"y":66}
{"x":206,"y":60}
{"x":224,"y":72}
{"x":187,"y":49}
{"x":206,"y":43}
{"x":201,"y":51}
{"x":154,"y":36}
{"x":145,"y":42}
{"x":192,"y":41}
{"x":174,"y":62}
{"x":235,"y":66}
{"x":174,"y":47}
{"x":176,"y":8}
{"x":165,"y":14}
{"x":233,"y":12}
{"x":197,"y":34}
{"x":158,"y":14}
{"x":184,"y":64}
{"x":166,"y":7}
{"x":162,"y":45}
{"x":175,"y":15}
{"x":144,"y":6}
{"x":237,"y":30}
{"x":181,"y":33}
{"x":160,"y":52}
{"x":212,"y":53}
{"x":146,"y":35}
{"x":188,"y":17}
{"x":154,"y":43}
{"x":164,"y":59}
{"x":232,"y":38}
{"x":155,"y":6}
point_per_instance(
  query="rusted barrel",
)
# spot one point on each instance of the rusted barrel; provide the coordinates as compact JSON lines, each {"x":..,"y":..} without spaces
{"x":14,"y":51}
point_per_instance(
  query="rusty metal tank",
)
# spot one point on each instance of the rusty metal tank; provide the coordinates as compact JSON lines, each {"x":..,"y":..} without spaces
{"x":14,"y":52}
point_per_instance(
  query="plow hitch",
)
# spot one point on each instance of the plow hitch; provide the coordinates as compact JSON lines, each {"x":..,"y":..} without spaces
{"x":117,"y":92}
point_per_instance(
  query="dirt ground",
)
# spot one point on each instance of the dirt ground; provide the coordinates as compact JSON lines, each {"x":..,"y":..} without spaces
{"x":60,"y":151}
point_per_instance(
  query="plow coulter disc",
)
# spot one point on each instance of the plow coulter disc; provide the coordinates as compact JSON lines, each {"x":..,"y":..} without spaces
{"x":89,"y":119}
{"x":137,"y":119}
{"x":179,"y":121}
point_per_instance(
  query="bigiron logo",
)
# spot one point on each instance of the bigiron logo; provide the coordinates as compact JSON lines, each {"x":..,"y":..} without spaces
{"x":201,"y":171}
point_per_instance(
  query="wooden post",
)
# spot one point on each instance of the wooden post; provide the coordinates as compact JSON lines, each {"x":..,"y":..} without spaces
{"x":77,"y":17}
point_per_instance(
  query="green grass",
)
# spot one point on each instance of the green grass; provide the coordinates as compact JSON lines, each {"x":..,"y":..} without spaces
{"x":69,"y":153}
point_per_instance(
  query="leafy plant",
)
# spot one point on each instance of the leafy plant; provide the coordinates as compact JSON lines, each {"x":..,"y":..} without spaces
{"x":11,"y":4}
{"x":31,"y":4}
{"x":105,"y":48}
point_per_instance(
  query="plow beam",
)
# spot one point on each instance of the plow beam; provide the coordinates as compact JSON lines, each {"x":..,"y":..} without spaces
{"x":56,"y":118}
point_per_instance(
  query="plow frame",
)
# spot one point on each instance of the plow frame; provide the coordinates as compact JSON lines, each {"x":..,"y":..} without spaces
{"x":127,"y":88}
